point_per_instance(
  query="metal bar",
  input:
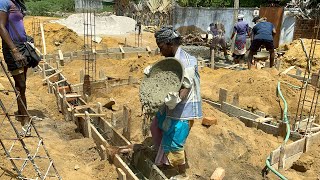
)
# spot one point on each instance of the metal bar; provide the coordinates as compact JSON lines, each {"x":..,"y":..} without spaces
{"x":8,"y":155}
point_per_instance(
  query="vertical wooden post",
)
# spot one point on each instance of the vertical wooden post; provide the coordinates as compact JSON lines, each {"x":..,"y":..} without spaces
{"x":88,"y":125}
{"x":58,"y":64}
{"x":126,"y":122}
{"x":212,"y":59}
{"x":223,"y":93}
{"x":48,"y":84}
{"x":235,"y":101}
{"x":130,"y":80}
{"x":236,"y":11}
{"x":64,"y":105}
{"x":121,"y":174}
{"x":282,"y":158}
{"x":57,"y":96}
{"x":113,"y":120}
{"x":81,"y":76}
{"x":43,"y":70}
{"x":61,"y":58}
{"x":43,"y":42}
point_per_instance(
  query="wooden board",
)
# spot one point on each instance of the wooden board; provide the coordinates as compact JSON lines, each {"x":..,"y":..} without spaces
{"x":119,"y":163}
{"x":275,"y":16}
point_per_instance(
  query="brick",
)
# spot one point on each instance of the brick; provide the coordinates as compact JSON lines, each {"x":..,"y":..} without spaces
{"x":218,"y":174}
{"x":209,"y":121}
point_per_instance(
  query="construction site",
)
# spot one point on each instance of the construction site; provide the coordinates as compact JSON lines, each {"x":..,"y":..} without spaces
{"x":84,"y":101}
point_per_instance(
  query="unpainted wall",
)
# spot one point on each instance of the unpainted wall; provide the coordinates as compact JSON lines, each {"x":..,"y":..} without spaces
{"x":95,"y":5}
{"x":202,"y":17}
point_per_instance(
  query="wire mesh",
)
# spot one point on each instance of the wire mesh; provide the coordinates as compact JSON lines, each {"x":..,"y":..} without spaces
{"x":26,"y":152}
{"x":309,"y":93}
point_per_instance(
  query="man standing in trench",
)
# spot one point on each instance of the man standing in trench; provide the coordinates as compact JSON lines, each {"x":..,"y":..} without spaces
{"x":172,"y":125}
{"x":263,"y":33}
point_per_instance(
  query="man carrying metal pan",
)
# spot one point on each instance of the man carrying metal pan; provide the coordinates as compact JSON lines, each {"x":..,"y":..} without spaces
{"x":171,"y":126}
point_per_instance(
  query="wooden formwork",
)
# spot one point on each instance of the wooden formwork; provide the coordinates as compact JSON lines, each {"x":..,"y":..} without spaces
{"x":114,"y":53}
{"x":281,"y":158}
{"x":92,"y":123}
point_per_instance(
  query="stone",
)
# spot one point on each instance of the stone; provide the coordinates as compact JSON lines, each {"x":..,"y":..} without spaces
{"x":209,"y":121}
{"x":303,"y":164}
{"x":76,"y":167}
{"x":218,"y":174}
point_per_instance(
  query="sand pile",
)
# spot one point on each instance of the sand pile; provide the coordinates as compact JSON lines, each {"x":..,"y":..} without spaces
{"x":105,"y":25}
{"x":296,"y":56}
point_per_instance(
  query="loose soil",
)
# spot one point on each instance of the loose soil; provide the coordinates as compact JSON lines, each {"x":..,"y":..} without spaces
{"x":295,"y":56}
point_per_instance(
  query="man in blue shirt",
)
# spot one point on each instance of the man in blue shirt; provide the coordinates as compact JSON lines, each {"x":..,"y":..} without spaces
{"x":263,"y":33}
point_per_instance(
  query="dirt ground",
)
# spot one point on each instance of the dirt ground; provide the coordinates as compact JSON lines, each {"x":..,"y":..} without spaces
{"x":67,"y":147}
{"x":229,"y":144}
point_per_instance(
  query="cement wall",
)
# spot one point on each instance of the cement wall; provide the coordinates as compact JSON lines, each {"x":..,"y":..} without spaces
{"x":185,"y":16}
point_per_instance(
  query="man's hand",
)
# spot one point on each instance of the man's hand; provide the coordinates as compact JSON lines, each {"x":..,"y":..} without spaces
{"x":19,"y":57}
{"x":183,"y":93}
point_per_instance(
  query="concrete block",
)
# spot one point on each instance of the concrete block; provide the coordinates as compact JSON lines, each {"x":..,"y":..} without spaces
{"x":223,"y":93}
{"x":236,"y":111}
{"x":235,"y":100}
{"x":209,"y":121}
{"x":260,"y":113}
{"x":268,"y":128}
{"x":218,"y":174}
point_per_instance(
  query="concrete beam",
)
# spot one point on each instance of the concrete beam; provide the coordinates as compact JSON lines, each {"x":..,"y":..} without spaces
{"x":236,"y":111}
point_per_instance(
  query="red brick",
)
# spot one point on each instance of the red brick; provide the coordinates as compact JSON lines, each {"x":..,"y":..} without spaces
{"x":209,"y":121}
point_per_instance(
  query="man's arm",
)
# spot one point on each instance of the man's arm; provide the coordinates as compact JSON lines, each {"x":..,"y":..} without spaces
{"x":274,"y":31}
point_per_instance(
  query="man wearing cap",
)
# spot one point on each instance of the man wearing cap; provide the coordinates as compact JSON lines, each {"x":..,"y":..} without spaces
{"x":172,"y":124}
{"x":241,"y":28}
{"x":263,"y":33}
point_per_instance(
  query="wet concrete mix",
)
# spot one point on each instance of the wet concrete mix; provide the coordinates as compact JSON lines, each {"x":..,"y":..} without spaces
{"x":155,"y":88}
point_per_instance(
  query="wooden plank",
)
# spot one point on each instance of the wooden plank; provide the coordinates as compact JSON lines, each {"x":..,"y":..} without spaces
{"x":98,"y":139}
{"x":73,"y":95}
{"x":275,"y":16}
{"x":156,"y":173}
{"x":91,"y":115}
{"x":287,"y":70}
{"x":275,"y":156}
{"x":119,"y":163}
{"x":121,"y":174}
{"x":100,"y":142}
{"x":295,"y":147}
{"x":56,"y":73}
{"x":288,"y":162}
{"x":43,"y":41}
{"x":126,"y":122}
{"x":268,"y":128}
{"x":116,"y":138}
